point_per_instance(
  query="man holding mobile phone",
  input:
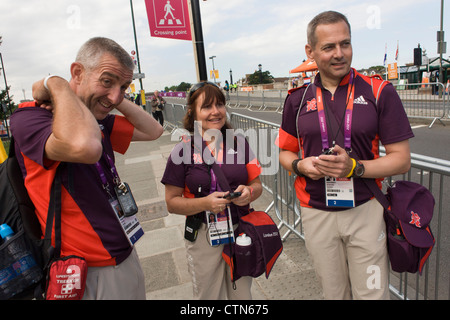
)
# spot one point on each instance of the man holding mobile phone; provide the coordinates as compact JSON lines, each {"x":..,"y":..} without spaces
{"x":336,"y":125}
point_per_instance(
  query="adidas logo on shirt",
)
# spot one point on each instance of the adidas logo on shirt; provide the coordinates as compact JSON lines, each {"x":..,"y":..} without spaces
{"x":360,"y":100}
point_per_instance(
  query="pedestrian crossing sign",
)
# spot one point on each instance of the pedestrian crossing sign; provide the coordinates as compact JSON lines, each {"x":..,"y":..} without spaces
{"x":169,"y":19}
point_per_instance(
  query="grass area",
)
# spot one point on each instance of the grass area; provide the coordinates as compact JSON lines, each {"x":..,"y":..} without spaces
{"x":6,"y":144}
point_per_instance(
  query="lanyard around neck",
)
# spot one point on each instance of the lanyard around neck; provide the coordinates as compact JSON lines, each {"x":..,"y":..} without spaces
{"x":199,"y":149}
{"x":347,"y":118}
{"x":101,"y":172}
{"x":111,"y":165}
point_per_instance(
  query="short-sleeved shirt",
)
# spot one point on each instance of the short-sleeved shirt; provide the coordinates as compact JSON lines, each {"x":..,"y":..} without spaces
{"x":187,"y":168}
{"x":90,"y":228}
{"x":374,"y":120}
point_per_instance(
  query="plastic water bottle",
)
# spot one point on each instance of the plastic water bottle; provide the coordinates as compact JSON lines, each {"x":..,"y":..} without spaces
{"x":21,"y":270}
{"x":244,"y":256}
{"x":243,"y":240}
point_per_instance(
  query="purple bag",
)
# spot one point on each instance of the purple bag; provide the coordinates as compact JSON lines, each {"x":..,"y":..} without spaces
{"x":408,"y":210}
{"x":261,"y":255}
{"x":266,"y":245}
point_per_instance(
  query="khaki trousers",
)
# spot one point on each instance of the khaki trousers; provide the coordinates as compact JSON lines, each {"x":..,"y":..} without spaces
{"x":211,"y":279}
{"x":125,"y":281}
{"x":349,"y":252}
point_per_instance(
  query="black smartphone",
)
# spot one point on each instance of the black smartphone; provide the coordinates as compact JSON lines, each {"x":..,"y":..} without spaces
{"x":232,"y":195}
{"x":328,"y":151}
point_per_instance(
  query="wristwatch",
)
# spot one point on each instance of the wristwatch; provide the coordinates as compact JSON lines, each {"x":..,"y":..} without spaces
{"x":359,"y":170}
{"x":295,"y":169}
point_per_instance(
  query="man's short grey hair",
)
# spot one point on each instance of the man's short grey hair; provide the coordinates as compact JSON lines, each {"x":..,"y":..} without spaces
{"x":327,"y":17}
{"x":90,"y":53}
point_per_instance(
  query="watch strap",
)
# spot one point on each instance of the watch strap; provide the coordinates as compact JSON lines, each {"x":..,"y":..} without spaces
{"x":357,"y":169}
{"x":295,"y":168}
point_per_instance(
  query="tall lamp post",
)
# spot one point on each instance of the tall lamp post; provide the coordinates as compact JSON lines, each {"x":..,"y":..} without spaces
{"x":442,"y":47}
{"x":214,"y":72}
{"x":136,"y":43}
{"x":260,"y":73}
{"x":199,"y":47}
{"x":7,"y":90}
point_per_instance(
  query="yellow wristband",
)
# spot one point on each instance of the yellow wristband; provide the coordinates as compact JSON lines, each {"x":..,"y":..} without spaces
{"x":353,"y":168}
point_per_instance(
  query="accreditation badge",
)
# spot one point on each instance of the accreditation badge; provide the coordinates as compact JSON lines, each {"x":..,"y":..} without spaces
{"x":220,"y":227}
{"x":130,"y":225}
{"x":339,"y":192}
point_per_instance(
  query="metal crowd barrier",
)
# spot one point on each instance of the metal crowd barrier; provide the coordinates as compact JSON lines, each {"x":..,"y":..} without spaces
{"x":423,"y":100}
{"x":258,"y":100}
{"x":434,"y":283}
{"x":173,"y":116}
{"x":420,"y":100}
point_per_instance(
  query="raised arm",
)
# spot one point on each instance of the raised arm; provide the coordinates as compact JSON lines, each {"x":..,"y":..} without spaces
{"x":75,"y":134}
{"x":146,"y":128}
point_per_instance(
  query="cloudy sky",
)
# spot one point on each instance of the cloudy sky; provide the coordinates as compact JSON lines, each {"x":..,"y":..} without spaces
{"x":42,"y":37}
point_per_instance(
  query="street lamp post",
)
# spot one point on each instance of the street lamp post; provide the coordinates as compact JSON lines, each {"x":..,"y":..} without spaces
{"x":199,"y":47}
{"x":260,"y":73}
{"x":7,"y":90}
{"x":136,"y":43}
{"x":214,"y":72}
{"x":441,"y":47}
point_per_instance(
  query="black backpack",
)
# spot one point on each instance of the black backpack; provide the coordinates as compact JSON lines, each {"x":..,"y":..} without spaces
{"x":17,"y":210}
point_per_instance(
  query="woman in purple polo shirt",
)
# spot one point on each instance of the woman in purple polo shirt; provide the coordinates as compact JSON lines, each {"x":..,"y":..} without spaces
{"x":192,"y":189}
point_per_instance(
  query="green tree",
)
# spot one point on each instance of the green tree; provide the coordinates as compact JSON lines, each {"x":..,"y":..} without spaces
{"x":172,"y":88}
{"x":7,"y":106}
{"x":183,"y":86}
{"x":259,"y":77}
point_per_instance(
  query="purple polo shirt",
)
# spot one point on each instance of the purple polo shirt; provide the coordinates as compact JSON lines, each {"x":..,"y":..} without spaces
{"x":90,"y":227}
{"x":190,"y":171}
{"x":373,"y":122}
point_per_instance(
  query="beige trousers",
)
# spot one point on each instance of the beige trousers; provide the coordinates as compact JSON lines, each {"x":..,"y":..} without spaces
{"x":125,"y":281}
{"x":349,"y":252}
{"x":211,"y":279}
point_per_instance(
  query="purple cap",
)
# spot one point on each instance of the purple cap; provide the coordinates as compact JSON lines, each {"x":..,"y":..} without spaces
{"x":413,"y":205}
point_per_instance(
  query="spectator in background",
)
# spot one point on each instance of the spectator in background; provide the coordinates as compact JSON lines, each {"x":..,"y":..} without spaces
{"x":158,"y":103}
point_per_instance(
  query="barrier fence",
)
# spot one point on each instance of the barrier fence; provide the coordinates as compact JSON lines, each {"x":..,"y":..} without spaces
{"x":421,"y":100}
{"x":434,"y":283}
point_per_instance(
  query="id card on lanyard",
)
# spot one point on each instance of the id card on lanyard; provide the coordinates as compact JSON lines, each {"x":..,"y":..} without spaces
{"x":122,"y":202}
{"x":220,"y":226}
{"x":339,"y":191}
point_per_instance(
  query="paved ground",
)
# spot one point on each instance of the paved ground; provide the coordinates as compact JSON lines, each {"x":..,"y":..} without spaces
{"x":162,"y":250}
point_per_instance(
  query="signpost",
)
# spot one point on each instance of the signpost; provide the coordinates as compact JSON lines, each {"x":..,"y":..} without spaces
{"x":392,"y":71}
{"x":179,"y":19}
{"x":169,"y":19}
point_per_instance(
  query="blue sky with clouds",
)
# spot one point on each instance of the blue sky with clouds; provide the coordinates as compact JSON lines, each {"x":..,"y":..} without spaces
{"x":42,"y":37}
